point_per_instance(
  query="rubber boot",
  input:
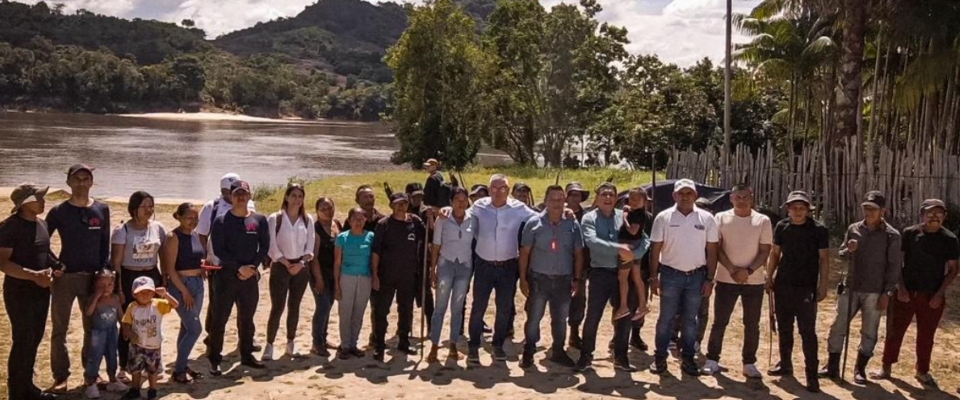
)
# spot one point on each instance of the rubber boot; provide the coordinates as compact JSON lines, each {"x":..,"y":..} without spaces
{"x":832,"y":369}
{"x":859,"y":370}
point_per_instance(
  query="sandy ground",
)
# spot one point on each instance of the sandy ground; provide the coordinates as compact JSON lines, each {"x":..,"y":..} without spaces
{"x":410,"y":377}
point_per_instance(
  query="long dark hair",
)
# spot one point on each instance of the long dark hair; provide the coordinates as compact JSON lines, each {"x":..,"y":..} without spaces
{"x":290,"y":189}
{"x":137,"y":199}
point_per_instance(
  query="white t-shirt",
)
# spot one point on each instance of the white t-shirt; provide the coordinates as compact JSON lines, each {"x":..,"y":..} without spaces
{"x":294,"y":240}
{"x":206,"y":222}
{"x":684,"y":237}
{"x":146,"y":322}
{"x":141,"y":246}
{"x":740,"y":240}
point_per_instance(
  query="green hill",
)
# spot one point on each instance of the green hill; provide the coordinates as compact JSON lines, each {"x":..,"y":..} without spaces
{"x":150,"y":42}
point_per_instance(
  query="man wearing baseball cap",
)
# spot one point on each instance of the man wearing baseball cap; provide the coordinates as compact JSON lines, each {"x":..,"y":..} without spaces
{"x":927,"y":248}
{"x":797,"y":276}
{"x":241,"y":238}
{"x":873,"y":249}
{"x":431,"y":189}
{"x":397,"y":256}
{"x":25,"y":261}
{"x":683,"y":259}
{"x":208,"y":213}
{"x":478,"y":192}
{"x":84,"y":227}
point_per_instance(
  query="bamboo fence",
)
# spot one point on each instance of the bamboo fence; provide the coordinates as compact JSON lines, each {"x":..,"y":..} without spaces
{"x":836,"y":177}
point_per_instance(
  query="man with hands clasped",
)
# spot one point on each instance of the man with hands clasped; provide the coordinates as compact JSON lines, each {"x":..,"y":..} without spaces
{"x":241,"y":239}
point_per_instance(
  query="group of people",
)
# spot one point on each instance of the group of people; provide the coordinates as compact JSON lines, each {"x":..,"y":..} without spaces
{"x":440,"y":237}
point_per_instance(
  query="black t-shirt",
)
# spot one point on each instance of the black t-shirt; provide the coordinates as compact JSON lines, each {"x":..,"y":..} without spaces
{"x":635,"y":217}
{"x":84,"y":235}
{"x":399,"y":244}
{"x":925,"y":257}
{"x":30,"y":241}
{"x":371,"y":224}
{"x":800,"y":247}
{"x":432,"y":195}
{"x":240,"y":241}
{"x":325,"y":256}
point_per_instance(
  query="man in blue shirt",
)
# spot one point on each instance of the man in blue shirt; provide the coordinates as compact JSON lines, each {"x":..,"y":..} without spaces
{"x":551,"y":265}
{"x":600,"y":229}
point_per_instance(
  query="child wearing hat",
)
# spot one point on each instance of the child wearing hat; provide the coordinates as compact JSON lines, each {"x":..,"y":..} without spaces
{"x":141,"y":325}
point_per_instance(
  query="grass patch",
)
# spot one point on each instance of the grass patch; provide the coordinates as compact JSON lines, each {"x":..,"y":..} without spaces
{"x":342,"y":188}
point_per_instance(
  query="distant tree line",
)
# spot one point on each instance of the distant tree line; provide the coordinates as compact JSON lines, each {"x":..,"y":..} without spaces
{"x":93,"y":63}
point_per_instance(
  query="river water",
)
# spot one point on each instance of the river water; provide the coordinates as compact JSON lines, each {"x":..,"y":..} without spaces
{"x":185,"y":159}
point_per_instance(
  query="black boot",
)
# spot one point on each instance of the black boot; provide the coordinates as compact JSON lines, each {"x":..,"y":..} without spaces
{"x":859,"y":370}
{"x":832,"y":369}
{"x":813,"y":380}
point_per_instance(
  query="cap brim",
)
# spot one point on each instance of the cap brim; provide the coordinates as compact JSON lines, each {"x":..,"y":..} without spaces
{"x":693,"y":188}
{"x":142,"y":288}
{"x":415,"y":193}
{"x":234,"y":191}
{"x":870,"y":204}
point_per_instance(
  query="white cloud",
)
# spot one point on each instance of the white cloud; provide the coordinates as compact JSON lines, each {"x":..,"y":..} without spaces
{"x":679,"y":31}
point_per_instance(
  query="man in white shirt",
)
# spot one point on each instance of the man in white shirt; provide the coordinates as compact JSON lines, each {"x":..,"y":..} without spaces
{"x":683,"y":260}
{"x":746,"y":238}
{"x":498,"y":219}
{"x":210,"y":211}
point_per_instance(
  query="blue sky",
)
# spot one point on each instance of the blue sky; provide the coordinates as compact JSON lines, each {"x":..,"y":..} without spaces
{"x":679,"y":31}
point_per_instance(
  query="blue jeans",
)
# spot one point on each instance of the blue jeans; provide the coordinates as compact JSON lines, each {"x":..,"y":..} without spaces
{"x":544,"y":289}
{"x":321,"y":315}
{"x":453,"y":279}
{"x":190,"y":326}
{"x":487,"y":278}
{"x":604,"y":288}
{"x":103,"y":343}
{"x":680,"y":294}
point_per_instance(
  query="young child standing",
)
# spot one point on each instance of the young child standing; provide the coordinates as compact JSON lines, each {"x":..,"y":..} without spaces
{"x":104,"y":310}
{"x":142,"y":327}
{"x":632,"y":234}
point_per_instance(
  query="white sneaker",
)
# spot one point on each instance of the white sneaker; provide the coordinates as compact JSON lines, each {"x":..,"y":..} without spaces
{"x":710,"y":367}
{"x":92,"y":392}
{"x":267,"y":352}
{"x":117,"y":387}
{"x":291,"y":348}
{"x":751,"y":371}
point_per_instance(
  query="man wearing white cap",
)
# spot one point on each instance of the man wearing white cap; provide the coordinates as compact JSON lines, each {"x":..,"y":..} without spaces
{"x":210,"y":211}
{"x":683,"y":259}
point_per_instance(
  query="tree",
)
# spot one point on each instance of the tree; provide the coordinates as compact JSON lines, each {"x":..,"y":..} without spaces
{"x":187,"y":23}
{"x":554,"y":75}
{"x":439,"y":106}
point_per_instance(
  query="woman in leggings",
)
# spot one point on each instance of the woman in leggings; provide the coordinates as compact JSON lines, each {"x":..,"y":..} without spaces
{"x":326,"y":230}
{"x":291,"y":250}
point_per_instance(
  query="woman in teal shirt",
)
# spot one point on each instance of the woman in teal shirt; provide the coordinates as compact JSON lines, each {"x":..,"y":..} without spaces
{"x":352,"y":275}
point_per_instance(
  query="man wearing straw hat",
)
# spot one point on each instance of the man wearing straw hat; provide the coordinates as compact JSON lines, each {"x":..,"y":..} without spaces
{"x":25,"y":261}
{"x":576,"y":195}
